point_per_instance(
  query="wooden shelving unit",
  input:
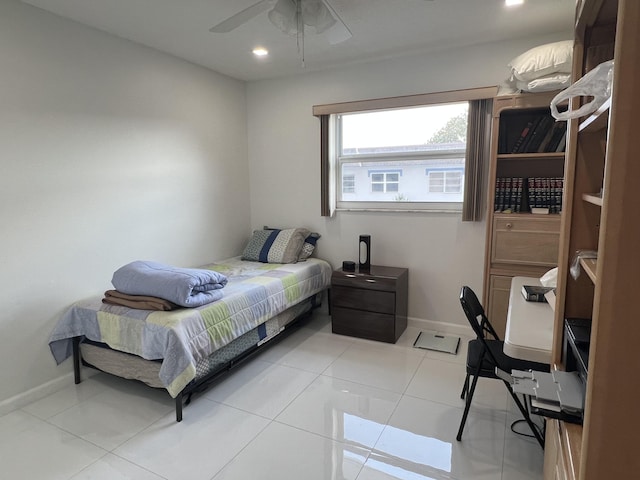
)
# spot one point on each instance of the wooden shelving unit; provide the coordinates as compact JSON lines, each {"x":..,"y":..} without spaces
{"x":590,"y":266}
{"x":518,"y":243}
{"x":602,"y":157}
{"x":595,"y":199}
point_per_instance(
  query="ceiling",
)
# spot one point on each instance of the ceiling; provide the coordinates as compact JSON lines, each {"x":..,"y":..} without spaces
{"x":381,"y":29}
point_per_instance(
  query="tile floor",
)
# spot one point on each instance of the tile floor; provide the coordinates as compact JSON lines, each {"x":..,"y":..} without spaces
{"x":313,"y":406}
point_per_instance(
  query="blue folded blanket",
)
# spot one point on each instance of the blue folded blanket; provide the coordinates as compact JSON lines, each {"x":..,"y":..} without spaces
{"x":187,"y":287}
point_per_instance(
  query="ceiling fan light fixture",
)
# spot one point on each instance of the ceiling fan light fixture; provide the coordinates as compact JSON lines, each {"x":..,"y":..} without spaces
{"x":316,"y":14}
{"x":313,"y":13}
{"x":284,"y":16}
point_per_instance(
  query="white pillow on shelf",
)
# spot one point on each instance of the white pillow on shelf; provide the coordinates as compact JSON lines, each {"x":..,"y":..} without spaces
{"x":548,"y":83}
{"x":543,"y":60}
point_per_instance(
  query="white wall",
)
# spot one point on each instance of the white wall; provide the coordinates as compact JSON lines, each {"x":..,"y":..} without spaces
{"x":441,"y":252}
{"x":109,"y":152}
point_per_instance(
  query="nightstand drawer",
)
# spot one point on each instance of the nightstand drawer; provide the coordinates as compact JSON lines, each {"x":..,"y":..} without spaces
{"x":361,"y":280}
{"x":361,"y":299}
{"x":356,"y":323}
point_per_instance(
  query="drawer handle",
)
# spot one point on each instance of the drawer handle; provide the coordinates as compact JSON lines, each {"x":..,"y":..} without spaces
{"x":509,"y":225}
{"x":370,"y":280}
{"x":350,"y":275}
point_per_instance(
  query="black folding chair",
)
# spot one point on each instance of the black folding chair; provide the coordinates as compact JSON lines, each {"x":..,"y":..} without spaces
{"x":485,"y":354}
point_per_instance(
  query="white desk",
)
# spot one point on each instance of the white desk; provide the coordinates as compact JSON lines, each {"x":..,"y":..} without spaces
{"x":529,"y":333}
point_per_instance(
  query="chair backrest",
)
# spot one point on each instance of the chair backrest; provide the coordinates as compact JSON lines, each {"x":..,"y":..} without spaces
{"x":475,"y":314}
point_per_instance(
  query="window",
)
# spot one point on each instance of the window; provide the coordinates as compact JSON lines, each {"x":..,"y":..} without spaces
{"x":384,"y":181}
{"x":345,"y":159}
{"x":383,"y":156}
{"x":348,"y":183}
{"x":445,"y":181}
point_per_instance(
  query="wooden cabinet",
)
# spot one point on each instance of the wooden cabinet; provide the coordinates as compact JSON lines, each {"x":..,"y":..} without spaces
{"x":499,"y":290}
{"x":370,"y":304}
{"x":602,"y":201}
{"x":519,"y":243}
{"x":522,"y":239}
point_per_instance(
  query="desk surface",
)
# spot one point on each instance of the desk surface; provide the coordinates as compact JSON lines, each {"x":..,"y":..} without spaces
{"x":529,"y":333}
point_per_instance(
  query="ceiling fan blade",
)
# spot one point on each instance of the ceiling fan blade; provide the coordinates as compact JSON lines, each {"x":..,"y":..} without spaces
{"x":241,"y":17}
{"x":339,"y":32}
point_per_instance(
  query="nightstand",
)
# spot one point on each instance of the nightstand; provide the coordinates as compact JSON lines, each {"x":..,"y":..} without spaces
{"x":371,"y":304}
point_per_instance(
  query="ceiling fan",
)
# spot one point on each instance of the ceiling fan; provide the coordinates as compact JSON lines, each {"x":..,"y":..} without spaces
{"x":292,"y":17}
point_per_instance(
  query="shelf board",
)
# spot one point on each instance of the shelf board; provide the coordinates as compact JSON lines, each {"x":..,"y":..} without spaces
{"x":593,"y":198}
{"x":597,"y":120}
{"x":521,"y":156}
{"x":589,"y":265}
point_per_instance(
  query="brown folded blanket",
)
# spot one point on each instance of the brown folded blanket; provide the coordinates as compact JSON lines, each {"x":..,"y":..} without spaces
{"x":140,"y":302}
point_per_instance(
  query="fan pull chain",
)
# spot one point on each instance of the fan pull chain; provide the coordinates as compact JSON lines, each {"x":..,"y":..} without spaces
{"x":300,"y":31}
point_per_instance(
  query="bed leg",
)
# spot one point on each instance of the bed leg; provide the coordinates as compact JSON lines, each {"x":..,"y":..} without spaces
{"x":76,"y":360}
{"x":179,"y":407}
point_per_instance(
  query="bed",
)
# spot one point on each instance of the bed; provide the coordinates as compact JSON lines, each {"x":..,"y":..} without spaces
{"x":185,"y":350}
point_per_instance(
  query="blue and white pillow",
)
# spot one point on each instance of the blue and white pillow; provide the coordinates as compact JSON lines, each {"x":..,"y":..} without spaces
{"x":308,"y":246}
{"x":275,"y":246}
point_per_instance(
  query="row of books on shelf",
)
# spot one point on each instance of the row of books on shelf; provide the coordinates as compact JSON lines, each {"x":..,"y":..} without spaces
{"x":534,"y":194}
{"x":541,"y":134}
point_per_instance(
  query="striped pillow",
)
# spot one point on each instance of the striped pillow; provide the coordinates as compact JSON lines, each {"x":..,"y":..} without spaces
{"x":275,"y":246}
{"x":309,"y":246}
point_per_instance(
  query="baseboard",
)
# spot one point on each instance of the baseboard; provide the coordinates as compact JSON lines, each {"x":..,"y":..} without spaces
{"x":451,"y":328}
{"x":39,"y":392}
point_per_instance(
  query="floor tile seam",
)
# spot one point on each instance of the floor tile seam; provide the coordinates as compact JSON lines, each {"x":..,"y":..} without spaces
{"x":437,"y":402}
{"x":402,"y":462}
{"x":473,"y":410}
{"x":445,"y":359}
{"x":284,"y":365}
{"x":66,"y":408}
{"x":306,"y":370}
{"x":105,"y":452}
{"x":386,"y":421}
{"x":230,"y":461}
{"x":381,"y":344}
{"x":138,"y":432}
{"x":88,"y":465}
{"x":327,"y":437}
{"x":123,"y":459}
{"x":415,"y":372}
{"x":336,"y":358}
{"x":59,"y":427}
{"x":238,"y":409}
{"x":361,"y":384}
{"x":295,"y":397}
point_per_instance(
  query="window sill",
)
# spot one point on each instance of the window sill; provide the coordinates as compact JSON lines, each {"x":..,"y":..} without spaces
{"x":401,"y":210}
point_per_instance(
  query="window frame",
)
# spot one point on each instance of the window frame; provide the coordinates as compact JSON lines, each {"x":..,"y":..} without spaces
{"x":477,"y":163}
{"x":392,"y":163}
{"x":445,"y":171}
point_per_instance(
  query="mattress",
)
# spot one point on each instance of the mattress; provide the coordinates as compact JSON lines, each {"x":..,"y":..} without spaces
{"x":132,"y":367}
{"x":181,"y":339}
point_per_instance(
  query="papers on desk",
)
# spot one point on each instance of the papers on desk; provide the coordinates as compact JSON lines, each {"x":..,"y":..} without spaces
{"x":535,"y":293}
{"x":557,"y":394}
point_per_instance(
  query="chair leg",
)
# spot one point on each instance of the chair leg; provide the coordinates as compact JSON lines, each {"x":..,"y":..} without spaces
{"x":525,"y":413}
{"x":467,"y":406}
{"x":465,"y":387}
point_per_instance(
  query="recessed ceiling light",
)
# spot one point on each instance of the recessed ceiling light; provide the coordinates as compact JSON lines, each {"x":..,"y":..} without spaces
{"x":513,"y":3}
{"x":260,"y":51}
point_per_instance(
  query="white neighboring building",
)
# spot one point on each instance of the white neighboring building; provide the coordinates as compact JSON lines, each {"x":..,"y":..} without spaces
{"x":432,"y":178}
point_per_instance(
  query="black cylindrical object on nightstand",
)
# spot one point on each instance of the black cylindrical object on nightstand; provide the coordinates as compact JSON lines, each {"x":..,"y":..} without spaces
{"x":364,"y":253}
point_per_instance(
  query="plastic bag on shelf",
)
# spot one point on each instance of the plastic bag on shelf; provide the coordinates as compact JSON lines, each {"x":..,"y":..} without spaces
{"x":575,"y":264}
{"x":596,"y":83}
{"x":550,"y":279}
